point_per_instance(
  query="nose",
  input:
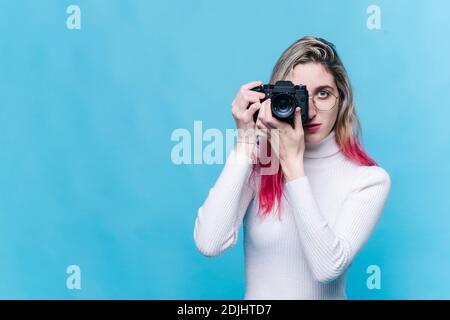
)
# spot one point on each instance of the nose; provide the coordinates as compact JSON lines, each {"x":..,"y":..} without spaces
{"x":311,"y":109}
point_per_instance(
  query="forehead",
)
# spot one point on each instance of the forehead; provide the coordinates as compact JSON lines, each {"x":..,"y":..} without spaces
{"x":312,"y":75}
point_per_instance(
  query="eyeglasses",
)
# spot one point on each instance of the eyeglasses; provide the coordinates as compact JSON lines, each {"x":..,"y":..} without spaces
{"x":324,"y":100}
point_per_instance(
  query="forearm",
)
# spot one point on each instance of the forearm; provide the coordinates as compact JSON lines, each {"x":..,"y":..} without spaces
{"x":327,"y":254}
{"x":246,"y":142}
{"x":330,"y":250}
{"x":246,"y":149}
{"x":219,"y":217}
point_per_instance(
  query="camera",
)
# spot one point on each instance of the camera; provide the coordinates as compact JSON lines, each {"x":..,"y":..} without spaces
{"x":285,"y":98}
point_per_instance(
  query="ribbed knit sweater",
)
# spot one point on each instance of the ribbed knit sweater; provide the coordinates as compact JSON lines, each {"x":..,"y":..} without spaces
{"x":327,"y":216}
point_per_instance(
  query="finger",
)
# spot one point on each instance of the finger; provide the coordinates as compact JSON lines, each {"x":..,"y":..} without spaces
{"x":242,"y":102}
{"x":252,"y":84}
{"x":253,"y":107}
{"x":298,"y":119}
{"x":270,"y":121}
{"x":260,"y":125}
{"x":265,"y":109}
{"x":254,"y":95}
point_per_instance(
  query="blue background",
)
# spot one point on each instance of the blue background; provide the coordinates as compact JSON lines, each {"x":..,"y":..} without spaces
{"x":86,"y":118}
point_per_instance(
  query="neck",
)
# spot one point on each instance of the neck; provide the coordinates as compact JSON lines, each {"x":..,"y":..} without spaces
{"x":325,"y":148}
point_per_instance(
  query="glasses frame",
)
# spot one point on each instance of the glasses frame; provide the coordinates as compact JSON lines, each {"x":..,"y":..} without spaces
{"x":335,"y":100}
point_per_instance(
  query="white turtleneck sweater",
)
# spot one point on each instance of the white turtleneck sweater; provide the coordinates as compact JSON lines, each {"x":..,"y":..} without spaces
{"x":327,"y":216}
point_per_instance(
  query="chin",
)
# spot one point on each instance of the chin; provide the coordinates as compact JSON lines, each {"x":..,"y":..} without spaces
{"x":313,"y":137}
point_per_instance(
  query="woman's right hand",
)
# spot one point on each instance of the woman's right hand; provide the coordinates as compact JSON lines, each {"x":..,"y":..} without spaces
{"x":244,"y":105}
{"x":240,"y":109}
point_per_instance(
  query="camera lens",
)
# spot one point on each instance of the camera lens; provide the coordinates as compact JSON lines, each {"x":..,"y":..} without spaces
{"x":283,"y":106}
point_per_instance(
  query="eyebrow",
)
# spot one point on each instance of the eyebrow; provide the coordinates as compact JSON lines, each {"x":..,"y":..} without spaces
{"x":323,"y":87}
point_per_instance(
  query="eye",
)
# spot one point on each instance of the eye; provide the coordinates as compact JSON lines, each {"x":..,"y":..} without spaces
{"x":323,"y":94}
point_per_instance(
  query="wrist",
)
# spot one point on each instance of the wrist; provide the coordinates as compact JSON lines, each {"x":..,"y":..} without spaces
{"x":293,"y":169}
{"x":245,"y":148}
{"x":247,"y":134}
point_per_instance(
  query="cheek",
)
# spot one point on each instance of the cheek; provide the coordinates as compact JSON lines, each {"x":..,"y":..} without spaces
{"x":330,"y":118}
{"x":326,"y":121}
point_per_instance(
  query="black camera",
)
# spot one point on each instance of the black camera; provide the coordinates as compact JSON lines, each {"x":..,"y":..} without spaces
{"x":285,"y":98}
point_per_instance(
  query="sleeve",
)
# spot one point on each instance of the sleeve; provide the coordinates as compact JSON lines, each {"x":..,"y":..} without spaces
{"x":219,"y":218}
{"x":330,"y":250}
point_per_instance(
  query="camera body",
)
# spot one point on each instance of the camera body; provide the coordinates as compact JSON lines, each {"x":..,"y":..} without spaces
{"x":285,"y":98}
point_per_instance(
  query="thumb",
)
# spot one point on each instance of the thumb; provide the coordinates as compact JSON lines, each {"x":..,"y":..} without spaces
{"x":297,"y":118}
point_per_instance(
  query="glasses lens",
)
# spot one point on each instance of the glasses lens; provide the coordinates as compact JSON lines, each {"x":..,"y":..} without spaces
{"x":324,"y":101}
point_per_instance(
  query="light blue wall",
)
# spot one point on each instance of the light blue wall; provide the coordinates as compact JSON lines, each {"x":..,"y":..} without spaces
{"x":86,"y":117}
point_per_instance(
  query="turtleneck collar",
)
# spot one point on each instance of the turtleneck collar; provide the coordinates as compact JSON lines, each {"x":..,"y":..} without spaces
{"x":323,"y":149}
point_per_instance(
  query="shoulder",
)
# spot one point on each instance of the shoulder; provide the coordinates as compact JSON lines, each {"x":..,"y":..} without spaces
{"x":358,"y":175}
{"x":367,"y":176}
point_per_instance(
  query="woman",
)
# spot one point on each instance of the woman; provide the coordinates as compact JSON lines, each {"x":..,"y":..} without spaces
{"x":328,"y":194}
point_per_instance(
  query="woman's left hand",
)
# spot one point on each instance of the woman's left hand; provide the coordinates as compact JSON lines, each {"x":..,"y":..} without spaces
{"x":287,"y":143}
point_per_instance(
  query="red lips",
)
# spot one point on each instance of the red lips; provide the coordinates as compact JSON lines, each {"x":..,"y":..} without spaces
{"x":311,"y":128}
{"x":312,"y":124}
